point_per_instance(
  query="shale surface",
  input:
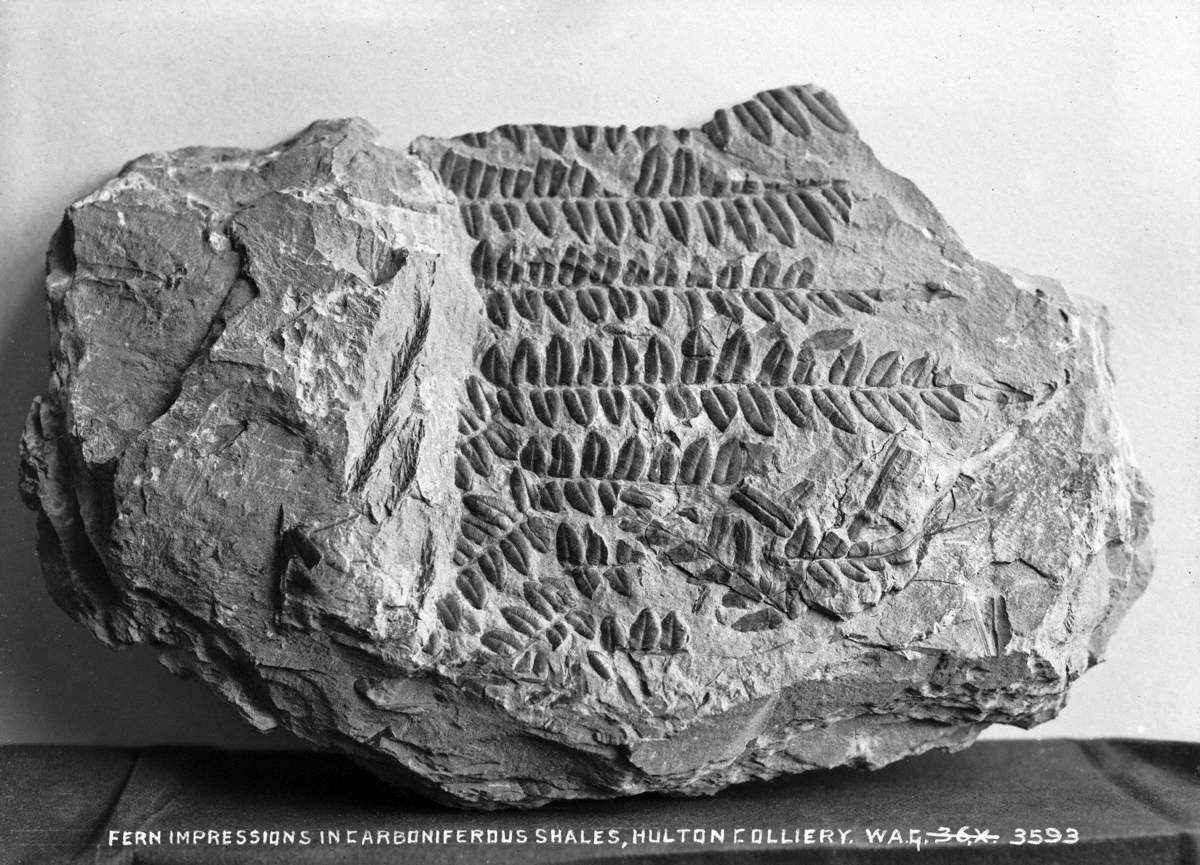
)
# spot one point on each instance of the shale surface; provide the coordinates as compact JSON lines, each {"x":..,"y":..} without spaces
{"x":549,"y":462}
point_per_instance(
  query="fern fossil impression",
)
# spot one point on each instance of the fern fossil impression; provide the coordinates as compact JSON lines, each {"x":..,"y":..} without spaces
{"x":574,"y":462}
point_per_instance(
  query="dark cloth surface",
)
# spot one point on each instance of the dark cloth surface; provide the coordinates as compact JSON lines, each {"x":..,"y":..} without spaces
{"x":1129,"y":801}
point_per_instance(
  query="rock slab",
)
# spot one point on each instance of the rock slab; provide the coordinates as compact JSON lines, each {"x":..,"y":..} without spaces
{"x":549,"y":463}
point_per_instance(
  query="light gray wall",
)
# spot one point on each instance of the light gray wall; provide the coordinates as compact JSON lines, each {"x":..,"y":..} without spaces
{"x":1059,"y":138}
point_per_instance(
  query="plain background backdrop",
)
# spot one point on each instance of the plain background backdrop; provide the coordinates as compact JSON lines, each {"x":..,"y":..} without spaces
{"x":1060,"y":138}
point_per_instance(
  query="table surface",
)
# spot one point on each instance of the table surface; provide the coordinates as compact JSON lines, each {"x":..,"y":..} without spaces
{"x":1124,"y":801}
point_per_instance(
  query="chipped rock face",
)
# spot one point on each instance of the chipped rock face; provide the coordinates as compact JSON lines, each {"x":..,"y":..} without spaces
{"x":551,"y":462}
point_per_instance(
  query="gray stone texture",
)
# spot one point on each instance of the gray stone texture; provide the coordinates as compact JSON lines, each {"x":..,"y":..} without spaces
{"x":550,"y":463}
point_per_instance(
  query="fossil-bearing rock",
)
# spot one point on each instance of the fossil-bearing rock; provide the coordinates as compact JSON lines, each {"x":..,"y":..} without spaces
{"x":558,"y":462}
